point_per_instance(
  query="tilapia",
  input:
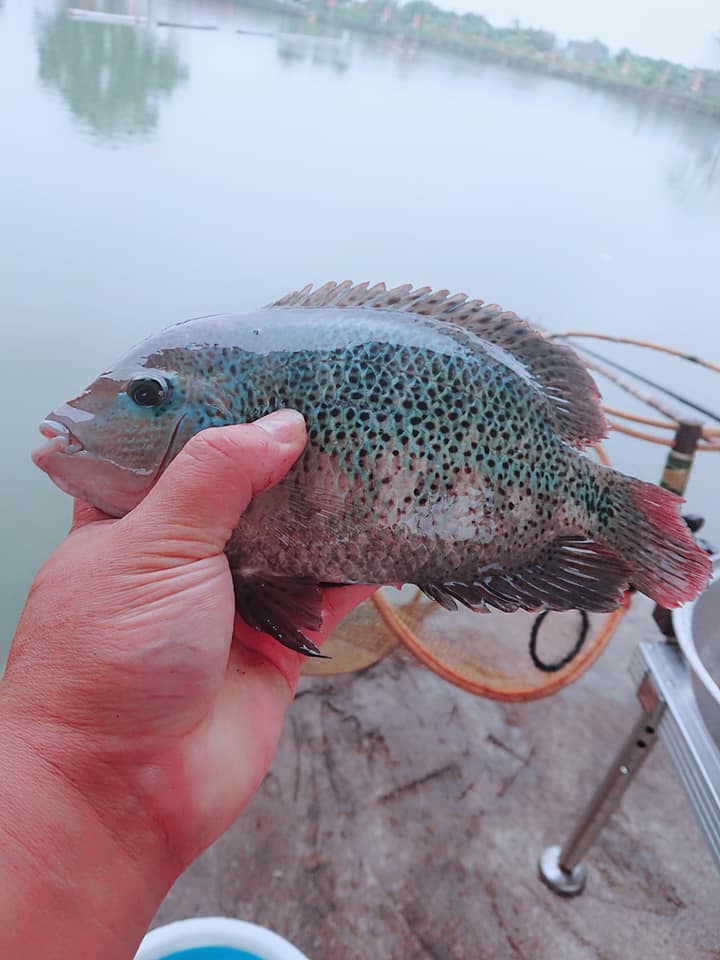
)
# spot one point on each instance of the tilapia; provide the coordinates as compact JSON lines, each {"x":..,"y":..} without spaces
{"x":445,"y":440}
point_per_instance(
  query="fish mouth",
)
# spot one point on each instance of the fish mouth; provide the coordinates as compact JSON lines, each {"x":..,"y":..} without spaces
{"x":59,"y":439}
{"x":52,"y":429}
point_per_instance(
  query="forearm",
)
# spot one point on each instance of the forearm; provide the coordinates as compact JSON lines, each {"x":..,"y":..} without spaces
{"x":69,"y":887}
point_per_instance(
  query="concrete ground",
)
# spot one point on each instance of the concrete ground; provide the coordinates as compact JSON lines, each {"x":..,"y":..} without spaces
{"x":403,"y":818}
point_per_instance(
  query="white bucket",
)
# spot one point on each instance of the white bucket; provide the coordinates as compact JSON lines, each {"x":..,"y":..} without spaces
{"x":215,"y":938}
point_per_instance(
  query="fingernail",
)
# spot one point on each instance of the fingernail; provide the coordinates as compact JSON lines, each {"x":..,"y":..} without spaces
{"x":284,"y":426}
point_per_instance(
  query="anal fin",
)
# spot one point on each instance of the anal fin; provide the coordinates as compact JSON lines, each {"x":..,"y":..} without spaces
{"x":568,"y":574}
{"x":281,"y":607}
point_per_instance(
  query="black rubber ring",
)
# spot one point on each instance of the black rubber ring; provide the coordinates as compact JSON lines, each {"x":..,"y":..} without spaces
{"x":559,"y":664}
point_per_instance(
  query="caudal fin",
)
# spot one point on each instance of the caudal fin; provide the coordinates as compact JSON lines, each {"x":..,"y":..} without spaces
{"x":645,"y":526}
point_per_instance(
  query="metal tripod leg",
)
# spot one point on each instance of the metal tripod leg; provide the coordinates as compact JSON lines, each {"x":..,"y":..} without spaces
{"x":561,"y":868}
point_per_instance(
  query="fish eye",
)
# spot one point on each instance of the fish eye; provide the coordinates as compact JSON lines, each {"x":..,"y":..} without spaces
{"x":148,"y":391}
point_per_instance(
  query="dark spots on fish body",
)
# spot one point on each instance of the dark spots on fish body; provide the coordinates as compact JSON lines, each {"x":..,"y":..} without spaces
{"x":376,"y":418}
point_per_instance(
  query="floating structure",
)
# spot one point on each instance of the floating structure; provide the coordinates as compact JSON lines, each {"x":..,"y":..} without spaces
{"x":100,"y":16}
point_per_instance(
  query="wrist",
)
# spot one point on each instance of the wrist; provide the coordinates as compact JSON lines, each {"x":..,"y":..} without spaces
{"x":83,"y":869}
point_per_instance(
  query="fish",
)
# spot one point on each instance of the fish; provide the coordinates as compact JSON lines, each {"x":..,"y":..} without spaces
{"x":447,"y":447}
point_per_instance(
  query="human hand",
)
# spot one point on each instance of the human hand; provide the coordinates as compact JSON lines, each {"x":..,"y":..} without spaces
{"x":122,"y":677}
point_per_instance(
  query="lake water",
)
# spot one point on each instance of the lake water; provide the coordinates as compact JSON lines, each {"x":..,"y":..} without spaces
{"x":149,"y":175}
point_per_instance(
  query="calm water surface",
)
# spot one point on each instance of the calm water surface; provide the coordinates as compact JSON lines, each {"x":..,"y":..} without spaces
{"x":149,"y":175}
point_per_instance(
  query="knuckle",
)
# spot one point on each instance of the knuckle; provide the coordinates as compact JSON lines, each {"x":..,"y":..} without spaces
{"x":218,"y":444}
{"x":241,"y":451}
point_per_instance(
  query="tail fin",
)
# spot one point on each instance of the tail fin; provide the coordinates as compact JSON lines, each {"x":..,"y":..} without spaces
{"x":643,"y":523}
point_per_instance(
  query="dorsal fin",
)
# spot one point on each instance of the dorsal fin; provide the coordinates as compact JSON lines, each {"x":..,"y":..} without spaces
{"x":558,"y":370}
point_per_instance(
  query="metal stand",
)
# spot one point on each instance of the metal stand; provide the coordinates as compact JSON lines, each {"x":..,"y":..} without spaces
{"x":667,"y":701}
{"x":560,"y":867}
{"x":669,"y":709}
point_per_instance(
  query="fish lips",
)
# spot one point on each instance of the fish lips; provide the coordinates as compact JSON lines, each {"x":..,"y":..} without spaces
{"x":109,"y":486}
{"x":60,"y":441}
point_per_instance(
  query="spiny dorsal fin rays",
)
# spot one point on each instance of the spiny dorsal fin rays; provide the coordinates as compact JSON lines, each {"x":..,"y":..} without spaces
{"x":571,"y":391}
{"x":295,"y":298}
{"x":355,"y":296}
{"x":317,"y":298}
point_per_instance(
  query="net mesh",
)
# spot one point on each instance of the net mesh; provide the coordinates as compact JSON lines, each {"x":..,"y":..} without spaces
{"x":518,"y":656}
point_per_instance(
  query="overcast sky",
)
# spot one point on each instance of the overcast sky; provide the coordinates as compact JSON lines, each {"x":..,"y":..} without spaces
{"x":681,"y":31}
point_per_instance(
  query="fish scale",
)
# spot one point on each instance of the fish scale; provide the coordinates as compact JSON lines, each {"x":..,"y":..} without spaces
{"x":444,"y":449}
{"x":403,"y":450}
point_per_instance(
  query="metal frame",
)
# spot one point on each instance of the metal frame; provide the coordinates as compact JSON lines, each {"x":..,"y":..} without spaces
{"x":694,"y":753}
{"x":669,"y":712}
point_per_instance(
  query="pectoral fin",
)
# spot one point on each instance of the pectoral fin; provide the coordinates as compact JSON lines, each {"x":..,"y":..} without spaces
{"x":280,"y":608}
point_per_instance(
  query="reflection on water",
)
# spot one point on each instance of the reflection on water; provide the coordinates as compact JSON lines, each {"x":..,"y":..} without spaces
{"x":298,"y":45}
{"x":699,"y":169}
{"x":698,"y":174}
{"x":112,"y":77}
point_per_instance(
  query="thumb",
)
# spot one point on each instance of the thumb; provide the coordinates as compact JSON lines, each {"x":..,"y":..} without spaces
{"x":195,"y":505}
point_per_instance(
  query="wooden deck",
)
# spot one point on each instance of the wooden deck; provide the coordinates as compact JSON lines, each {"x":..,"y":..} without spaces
{"x":403,"y":818}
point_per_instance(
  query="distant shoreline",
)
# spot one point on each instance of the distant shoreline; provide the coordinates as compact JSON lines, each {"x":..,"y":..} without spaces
{"x":471,"y":36}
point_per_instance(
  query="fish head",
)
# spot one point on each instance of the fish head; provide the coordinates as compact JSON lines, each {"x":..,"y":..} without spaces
{"x":110,"y":444}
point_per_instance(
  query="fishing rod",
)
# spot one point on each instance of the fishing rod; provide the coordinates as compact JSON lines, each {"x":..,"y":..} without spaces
{"x":652,"y":383}
{"x":647,"y":344}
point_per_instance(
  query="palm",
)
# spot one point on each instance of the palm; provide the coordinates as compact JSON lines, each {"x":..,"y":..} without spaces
{"x":167,"y":694}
